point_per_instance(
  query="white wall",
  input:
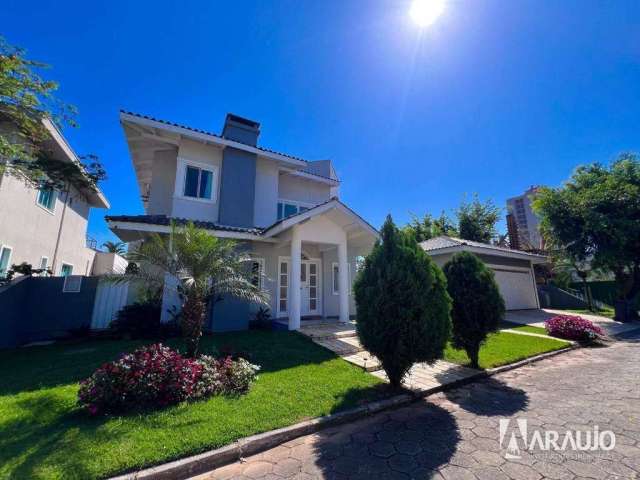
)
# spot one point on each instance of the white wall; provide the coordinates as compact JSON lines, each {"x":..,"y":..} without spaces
{"x":303,"y":190}
{"x":107,"y":263}
{"x":163,"y":179}
{"x":208,"y":156}
{"x":32,"y":231}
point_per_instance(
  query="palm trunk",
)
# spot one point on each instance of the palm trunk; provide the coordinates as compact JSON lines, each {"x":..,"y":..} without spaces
{"x":193,"y":313}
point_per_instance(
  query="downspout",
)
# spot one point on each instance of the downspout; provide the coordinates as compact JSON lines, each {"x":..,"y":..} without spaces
{"x":64,"y":210}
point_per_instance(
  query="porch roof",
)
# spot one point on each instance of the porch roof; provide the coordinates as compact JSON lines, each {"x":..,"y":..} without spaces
{"x":122,"y":224}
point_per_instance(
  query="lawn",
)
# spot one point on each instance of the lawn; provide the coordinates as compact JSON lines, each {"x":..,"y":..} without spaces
{"x":44,"y":435}
{"x":608,"y":312}
{"x":502,"y":348}
{"x":523,"y":328}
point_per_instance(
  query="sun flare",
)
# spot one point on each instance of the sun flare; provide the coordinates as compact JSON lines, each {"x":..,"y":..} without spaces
{"x":425,"y":12}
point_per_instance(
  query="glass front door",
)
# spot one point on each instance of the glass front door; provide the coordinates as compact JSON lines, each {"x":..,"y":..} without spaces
{"x":310,"y":288}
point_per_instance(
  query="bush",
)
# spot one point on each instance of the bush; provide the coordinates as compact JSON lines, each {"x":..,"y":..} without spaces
{"x":149,"y":377}
{"x":138,"y":320}
{"x":573,"y":327}
{"x":156,"y":376}
{"x":478,"y":307}
{"x":403,"y":305}
{"x":261,"y":319}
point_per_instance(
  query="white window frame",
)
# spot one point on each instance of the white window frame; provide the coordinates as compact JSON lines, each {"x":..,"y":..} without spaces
{"x":295,"y":203}
{"x":51,"y":211}
{"x":66,"y":279}
{"x":334,"y":266}
{"x":181,"y":178}
{"x":63,"y":264}
{"x":287,"y":260}
{"x":7,"y":247}
{"x":44,"y":274}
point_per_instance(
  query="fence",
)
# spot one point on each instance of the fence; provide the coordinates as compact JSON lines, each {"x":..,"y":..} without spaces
{"x":45,"y":308}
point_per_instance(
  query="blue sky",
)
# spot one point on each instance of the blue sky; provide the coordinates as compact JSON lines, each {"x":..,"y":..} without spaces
{"x":494,"y":97}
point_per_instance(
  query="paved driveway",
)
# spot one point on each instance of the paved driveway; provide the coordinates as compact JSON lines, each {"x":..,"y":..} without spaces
{"x":456,"y":435}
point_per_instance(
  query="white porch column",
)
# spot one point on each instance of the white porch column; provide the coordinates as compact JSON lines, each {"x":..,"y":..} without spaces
{"x":294,"y":279}
{"x":343,"y":280}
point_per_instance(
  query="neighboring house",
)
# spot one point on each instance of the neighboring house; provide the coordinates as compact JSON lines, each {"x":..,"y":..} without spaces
{"x":513,"y":269}
{"x":44,"y":227}
{"x":527,"y":222}
{"x":283,"y":209}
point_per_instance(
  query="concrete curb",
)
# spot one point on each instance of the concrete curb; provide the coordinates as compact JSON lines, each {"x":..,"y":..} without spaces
{"x":204,"y":462}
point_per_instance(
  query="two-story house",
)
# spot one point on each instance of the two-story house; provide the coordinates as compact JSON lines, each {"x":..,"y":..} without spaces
{"x":284,"y":209}
{"x":45,"y":227}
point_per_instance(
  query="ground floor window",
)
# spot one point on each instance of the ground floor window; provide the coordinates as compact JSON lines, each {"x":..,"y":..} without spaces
{"x":283,"y":286}
{"x":44,"y":264}
{"x":257,"y":272}
{"x":336,"y":278}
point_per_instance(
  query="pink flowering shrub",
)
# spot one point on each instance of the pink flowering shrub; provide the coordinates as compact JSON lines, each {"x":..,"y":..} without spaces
{"x":157,"y":376}
{"x":572,"y":327}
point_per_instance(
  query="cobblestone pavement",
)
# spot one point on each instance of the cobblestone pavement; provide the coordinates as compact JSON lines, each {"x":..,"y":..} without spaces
{"x":455,"y":435}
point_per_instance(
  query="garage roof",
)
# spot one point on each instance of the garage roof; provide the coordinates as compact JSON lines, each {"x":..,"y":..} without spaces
{"x":443,"y":244}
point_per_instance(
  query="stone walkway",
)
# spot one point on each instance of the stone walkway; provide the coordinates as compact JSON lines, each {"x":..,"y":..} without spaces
{"x":342,"y":339}
{"x":455,"y":435}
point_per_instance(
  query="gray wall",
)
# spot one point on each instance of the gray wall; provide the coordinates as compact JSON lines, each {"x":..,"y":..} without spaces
{"x":36,"y":309}
{"x":237,"y":188}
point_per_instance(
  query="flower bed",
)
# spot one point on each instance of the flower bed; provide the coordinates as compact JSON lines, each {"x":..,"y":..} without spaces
{"x":157,"y":376}
{"x":572,"y":327}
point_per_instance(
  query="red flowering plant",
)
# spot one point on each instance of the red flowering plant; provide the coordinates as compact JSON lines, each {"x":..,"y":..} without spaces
{"x":157,"y":376}
{"x":573,"y":327}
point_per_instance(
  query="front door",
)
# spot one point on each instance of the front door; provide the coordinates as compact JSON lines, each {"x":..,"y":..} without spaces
{"x":309,"y":287}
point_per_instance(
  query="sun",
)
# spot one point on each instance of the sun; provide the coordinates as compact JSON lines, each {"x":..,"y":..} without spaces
{"x":425,"y":12}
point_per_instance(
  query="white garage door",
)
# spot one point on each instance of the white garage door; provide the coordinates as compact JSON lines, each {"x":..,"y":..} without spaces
{"x":517,"y":289}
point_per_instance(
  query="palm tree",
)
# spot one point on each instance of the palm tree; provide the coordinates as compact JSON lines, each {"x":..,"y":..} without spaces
{"x":115,"y":247}
{"x":207,"y":270}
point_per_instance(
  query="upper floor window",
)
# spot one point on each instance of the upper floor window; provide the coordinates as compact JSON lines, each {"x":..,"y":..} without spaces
{"x":198,"y":183}
{"x":47,"y":198}
{"x":287,"y":208}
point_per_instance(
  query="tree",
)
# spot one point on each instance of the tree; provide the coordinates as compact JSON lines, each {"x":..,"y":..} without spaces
{"x":402,"y":303}
{"x":478,"y":307}
{"x":477,"y":220}
{"x":595,"y":218}
{"x":208,"y":269}
{"x":429,"y":227}
{"x":27,"y":102}
{"x":115,"y":247}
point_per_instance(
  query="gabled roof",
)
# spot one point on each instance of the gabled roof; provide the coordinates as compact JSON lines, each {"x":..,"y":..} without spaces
{"x":211,"y":134}
{"x":444,"y":244}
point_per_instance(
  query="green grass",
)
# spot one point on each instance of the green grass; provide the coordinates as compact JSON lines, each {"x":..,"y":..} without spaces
{"x":502,"y":348}
{"x":523,"y":328}
{"x":44,"y":435}
{"x":608,"y":312}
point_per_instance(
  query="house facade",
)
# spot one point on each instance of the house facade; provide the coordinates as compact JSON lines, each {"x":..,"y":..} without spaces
{"x":47,"y":228}
{"x":304,"y":243}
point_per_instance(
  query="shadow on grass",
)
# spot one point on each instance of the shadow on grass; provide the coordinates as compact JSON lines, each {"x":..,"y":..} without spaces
{"x":409,"y":442}
{"x":33,"y":368}
{"x":489,"y":397}
{"x":34,"y":442}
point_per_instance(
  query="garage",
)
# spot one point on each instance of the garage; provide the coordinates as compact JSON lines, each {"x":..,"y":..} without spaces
{"x":513,"y":269}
